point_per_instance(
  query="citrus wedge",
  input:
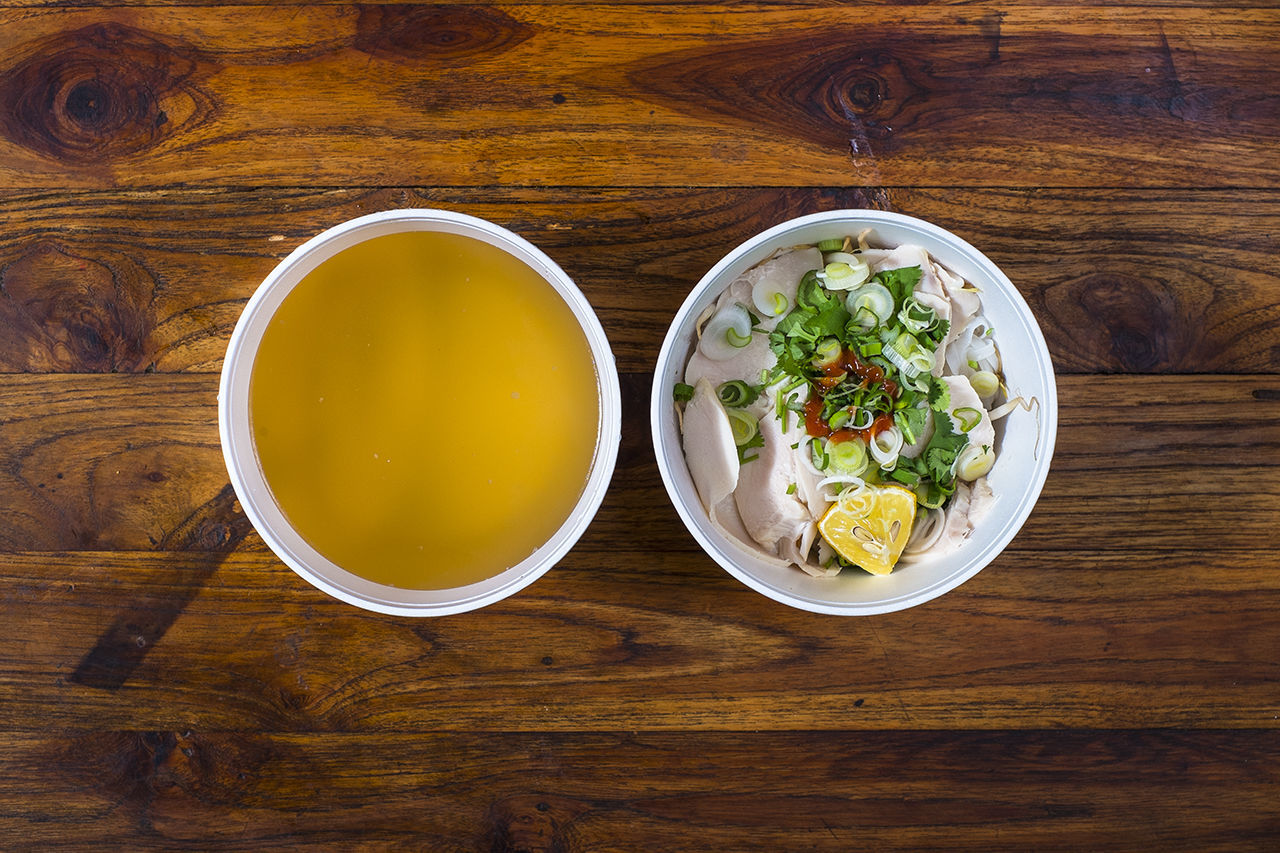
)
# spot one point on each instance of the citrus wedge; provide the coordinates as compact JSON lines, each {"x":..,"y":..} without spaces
{"x":870,"y":526}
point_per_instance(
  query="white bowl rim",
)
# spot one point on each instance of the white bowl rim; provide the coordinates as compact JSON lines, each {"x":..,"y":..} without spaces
{"x":250,"y":486}
{"x":740,"y":259}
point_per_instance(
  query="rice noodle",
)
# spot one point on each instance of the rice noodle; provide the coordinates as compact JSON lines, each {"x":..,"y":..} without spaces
{"x":843,"y":479}
{"x":925,"y":533}
{"x":972,"y":344}
{"x":1011,"y":405}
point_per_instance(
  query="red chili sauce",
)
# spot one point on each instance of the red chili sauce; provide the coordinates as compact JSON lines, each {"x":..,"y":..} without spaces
{"x":833,"y":374}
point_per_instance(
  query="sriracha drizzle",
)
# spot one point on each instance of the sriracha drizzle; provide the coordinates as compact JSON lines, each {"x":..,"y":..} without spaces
{"x":847,"y":364}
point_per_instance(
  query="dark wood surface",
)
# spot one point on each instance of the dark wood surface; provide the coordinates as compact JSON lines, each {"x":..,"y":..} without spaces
{"x":1110,"y":682}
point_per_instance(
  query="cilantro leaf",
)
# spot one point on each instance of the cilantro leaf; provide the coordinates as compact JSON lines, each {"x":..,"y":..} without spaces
{"x":830,"y":321}
{"x":900,"y":282}
{"x":942,"y":450}
{"x":939,"y":396}
{"x":757,"y":440}
{"x":911,"y":421}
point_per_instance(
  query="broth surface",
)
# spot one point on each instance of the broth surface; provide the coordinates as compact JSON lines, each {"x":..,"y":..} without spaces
{"x":425,"y":409}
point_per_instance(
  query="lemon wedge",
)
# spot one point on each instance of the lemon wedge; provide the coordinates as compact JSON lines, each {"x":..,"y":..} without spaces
{"x":870,"y":526}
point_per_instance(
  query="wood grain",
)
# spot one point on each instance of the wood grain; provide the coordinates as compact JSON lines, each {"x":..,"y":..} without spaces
{"x":133,"y":463}
{"x":1108,"y":683}
{"x":1121,"y":281}
{"x":1107,"y":791}
{"x":636,"y":95}
{"x":634,"y":641}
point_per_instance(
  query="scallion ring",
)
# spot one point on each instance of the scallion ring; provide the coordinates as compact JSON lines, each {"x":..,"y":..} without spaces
{"x":885,"y":447}
{"x":820,"y":457}
{"x":865,"y":419}
{"x":848,"y":457}
{"x":873,"y":296}
{"x":842,"y":275}
{"x":827,"y":351}
{"x":735,"y":393}
{"x":728,"y":330}
{"x":743,"y":425}
{"x":985,"y":383}
{"x":968,"y":416}
{"x":767,"y":299}
{"x":974,"y":462}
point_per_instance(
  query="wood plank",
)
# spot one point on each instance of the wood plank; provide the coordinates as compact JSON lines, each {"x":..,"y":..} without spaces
{"x":804,"y":4}
{"x":1148,"y":281}
{"x":102,"y":462}
{"x":638,"y":95}
{"x":633,"y":641}
{"x":1049,"y":791}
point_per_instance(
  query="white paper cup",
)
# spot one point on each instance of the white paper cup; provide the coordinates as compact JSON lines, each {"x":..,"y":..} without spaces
{"x":1025,"y":439}
{"x":246,"y":473}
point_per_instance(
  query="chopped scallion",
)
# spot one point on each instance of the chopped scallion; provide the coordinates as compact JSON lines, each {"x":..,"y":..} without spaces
{"x":818,"y":450}
{"x":968,"y":417}
{"x":985,"y":383}
{"x":736,"y":393}
{"x":827,"y":351}
{"x":848,"y":457}
{"x":743,"y":424}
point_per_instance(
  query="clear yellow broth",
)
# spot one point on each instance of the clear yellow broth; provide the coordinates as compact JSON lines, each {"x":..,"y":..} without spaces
{"x":425,"y":410}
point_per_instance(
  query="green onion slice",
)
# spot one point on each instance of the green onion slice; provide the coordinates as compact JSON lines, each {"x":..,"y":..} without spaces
{"x":728,"y":330}
{"x":874,"y":297}
{"x":917,"y":317}
{"x":968,"y":417}
{"x":974,"y":462}
{"x":985,"y":383}
{"x":905,"y":476}
{"x":835,"y":244}
{"x":818,"y":450}
{"x":735,"y":393}
{"x":839,"y":275}
{"x":827,"y":351}
{"x":743,"y":424}
{"x":848,"y":457}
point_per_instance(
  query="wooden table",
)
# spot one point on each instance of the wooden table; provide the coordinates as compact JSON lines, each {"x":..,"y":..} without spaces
{"x":1111,"y":682}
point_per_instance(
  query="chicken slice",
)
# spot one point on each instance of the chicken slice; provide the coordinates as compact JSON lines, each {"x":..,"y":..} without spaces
{"x":983,"y":434}
{"x":709,"y":446}
{"x":747,"y":364}
{"x":780,"y":275}
{"x":968,"y":506}
{"x":770,"y":514}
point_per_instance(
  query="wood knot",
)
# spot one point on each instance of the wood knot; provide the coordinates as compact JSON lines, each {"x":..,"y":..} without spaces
{"x":861,"y":93}
{"x":215,"y":526}
{"x":74,"y":309}
{"x":436,"y":32}
{"x":1127,"y":323}
{"x":533,"y":823}
{"x":99,"y":92}
{"x":841,"y":89}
